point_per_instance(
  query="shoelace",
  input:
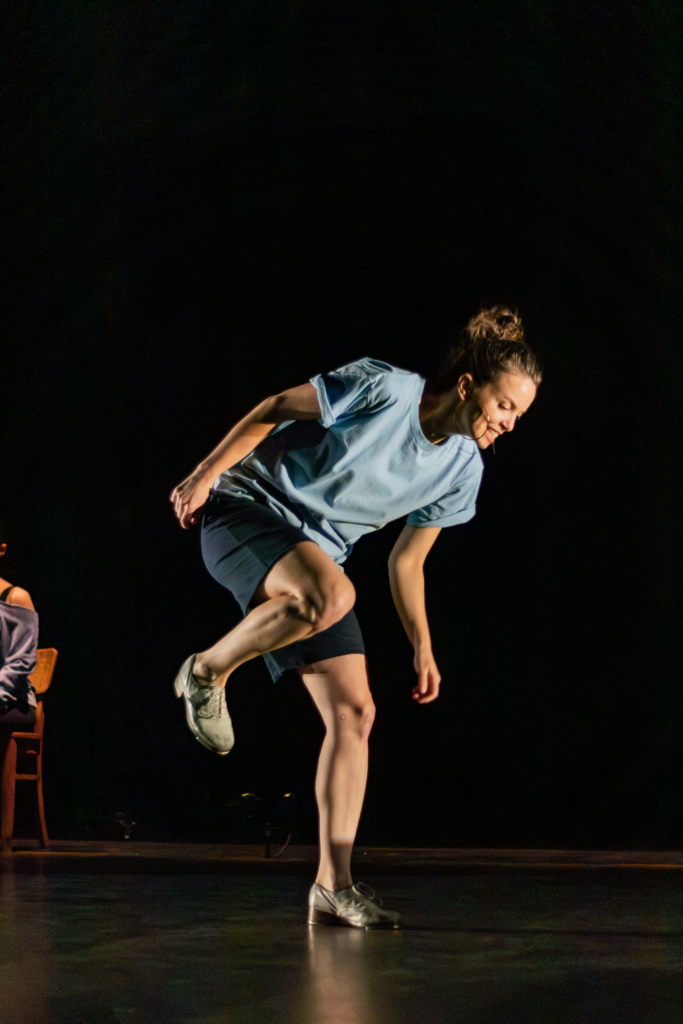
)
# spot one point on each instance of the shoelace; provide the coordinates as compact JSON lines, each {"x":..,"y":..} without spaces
{"x":213,"y":704}
{"x":219,"y":708}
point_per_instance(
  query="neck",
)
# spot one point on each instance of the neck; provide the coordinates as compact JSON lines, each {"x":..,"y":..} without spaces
{"x":442,"y":415}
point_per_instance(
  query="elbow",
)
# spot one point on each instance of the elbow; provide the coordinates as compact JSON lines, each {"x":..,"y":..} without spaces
{"x":404,"y":565}
{"x":276,"y":409}
{"x":393,"y":559}
{"x":267,"y":411}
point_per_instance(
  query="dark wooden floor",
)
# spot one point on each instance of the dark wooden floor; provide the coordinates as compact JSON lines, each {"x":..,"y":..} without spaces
{"x":210,"y":858}
{"x":550,"y":947}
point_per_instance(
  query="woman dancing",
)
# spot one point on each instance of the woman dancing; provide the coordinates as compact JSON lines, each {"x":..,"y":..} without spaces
{"x":283,"y":499}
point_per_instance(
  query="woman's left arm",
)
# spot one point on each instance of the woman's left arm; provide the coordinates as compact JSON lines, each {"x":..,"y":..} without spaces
{"x":406,"y":577}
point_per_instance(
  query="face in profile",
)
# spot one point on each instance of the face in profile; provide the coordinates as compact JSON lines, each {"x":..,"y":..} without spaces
{"x":498,"y":405}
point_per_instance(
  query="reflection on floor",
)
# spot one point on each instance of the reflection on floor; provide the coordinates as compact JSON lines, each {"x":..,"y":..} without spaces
{"x":562,"y":949}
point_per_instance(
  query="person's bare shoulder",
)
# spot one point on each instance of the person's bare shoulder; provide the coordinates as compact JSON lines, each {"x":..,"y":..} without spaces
{"x":21,"y":597}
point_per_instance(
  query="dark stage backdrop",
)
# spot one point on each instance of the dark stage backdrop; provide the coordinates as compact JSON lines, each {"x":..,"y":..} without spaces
{"x":208,"y":202}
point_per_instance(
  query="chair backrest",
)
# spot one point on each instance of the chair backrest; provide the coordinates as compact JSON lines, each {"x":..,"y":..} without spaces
{"x":46,"y":659}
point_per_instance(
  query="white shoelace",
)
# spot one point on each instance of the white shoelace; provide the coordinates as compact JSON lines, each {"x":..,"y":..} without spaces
{"x":219,"y":708}
{"x":213,"y":705}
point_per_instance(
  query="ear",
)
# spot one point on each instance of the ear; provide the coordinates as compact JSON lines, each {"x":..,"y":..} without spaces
{"x":3,"y":549}
{"x":465,"y":386}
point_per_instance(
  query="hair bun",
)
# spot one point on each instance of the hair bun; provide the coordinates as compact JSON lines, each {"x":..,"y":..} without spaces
{"x":494,"y":323}
{"x":491,"y":344}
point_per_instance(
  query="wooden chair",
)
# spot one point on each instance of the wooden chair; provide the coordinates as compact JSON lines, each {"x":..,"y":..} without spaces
{"x":23,"y":744}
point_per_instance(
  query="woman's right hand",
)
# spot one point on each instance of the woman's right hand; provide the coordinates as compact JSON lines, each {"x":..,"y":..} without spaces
{"x":190,"y":497}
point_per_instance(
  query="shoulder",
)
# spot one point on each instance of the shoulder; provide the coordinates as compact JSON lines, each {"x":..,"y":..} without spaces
{"x":375,"y":366}
{"x":21,"y":597}
{"x":387,"y":381}
{"x":372,"y":368}
{"x":467,"y":464}
{"x":378,"y":368}
{"x":364,"y":386}
{"x":470,"y":453}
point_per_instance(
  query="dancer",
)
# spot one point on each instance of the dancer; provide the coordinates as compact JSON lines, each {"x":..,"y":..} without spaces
{"x":283,"y":499}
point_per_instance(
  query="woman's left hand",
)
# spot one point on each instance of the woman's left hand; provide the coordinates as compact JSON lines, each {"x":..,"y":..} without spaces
{"x":428,"y":676}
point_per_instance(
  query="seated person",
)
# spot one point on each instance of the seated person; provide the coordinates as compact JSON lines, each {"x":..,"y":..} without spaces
{"x":18,"y":643}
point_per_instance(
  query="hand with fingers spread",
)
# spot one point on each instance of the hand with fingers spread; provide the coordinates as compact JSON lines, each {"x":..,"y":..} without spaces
{"x":428,"y":676}
{"x":190,"y":497}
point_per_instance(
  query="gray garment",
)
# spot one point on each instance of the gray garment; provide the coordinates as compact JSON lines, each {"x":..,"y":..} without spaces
{"x":18,"y":644}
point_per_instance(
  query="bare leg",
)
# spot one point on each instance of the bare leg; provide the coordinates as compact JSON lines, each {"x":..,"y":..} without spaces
{"x":340,"y":691}
{"x":304,"y":593}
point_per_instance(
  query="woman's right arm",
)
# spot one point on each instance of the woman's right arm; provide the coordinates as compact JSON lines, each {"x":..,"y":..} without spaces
{"x":190,"y":496}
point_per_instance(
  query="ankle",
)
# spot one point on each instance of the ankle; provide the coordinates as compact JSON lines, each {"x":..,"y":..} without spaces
{"x":204,"y":675}
{"x":333,"y":884}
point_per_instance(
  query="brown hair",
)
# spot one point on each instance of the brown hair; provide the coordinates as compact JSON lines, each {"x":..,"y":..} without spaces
{"x":492,"y":343}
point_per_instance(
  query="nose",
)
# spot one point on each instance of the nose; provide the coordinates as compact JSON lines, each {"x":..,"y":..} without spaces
{"x":509,"y":423}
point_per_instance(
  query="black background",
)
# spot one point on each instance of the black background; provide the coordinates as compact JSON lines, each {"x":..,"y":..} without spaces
{"x":206,"y":203}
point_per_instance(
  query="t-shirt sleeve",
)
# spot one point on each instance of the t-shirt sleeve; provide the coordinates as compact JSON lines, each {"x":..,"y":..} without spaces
{"x":349,"y":390}
{"x":456,"y":506}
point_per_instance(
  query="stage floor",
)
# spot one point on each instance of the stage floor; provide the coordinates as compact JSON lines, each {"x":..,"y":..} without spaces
{"x":475,"y":949}
{"x":224,"y":858}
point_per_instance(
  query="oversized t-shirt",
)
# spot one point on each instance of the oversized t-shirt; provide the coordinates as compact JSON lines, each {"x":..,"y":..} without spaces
{"x":365,"y":462}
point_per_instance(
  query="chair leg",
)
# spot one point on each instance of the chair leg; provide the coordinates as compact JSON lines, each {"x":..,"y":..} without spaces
{"x":44,"y":841}
{"x":9,"y":782}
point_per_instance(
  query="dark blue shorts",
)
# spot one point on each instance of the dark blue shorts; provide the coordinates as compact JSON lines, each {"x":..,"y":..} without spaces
{"x":241,"y":541}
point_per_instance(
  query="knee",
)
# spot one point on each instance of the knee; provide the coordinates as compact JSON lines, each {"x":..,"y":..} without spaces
{"x":336,"y":600}
{"x":354,"y":720}
{"x":366,"y":719}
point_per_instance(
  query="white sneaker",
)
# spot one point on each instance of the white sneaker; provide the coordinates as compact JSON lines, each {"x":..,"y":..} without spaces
{"x":354,"y":907}
{"x":206,"y":710}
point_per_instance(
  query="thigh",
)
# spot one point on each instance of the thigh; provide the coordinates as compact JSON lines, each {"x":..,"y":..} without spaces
{"x":306,"y":571}
{"x":338,"y":682}
{"x":344,"y":637}
{"x":241,"y":542}
{"x":15,"y":720}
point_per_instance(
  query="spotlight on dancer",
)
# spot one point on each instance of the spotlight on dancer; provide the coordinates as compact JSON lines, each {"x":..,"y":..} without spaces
{"x":283,"y":499}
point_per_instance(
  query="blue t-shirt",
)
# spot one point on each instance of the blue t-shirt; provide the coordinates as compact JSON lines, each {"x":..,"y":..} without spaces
{"x":363,"y":464}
